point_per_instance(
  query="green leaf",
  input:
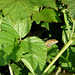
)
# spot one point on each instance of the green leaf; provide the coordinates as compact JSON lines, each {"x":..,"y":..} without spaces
{"x":9,"y":48}
{"x":48,"y":15}
{"x":19,"y":30}
{"x":47,"y":73}
{"x":0,"y":17}
{"x":6,"y":39}
{"x":46,"y":25}
{"x":65,"y":36}
{"x":28,"y":66}
{"x":35,"y":53}
{"x":37,"y":21}
{"x":30,"y":73}
{"x":47,"y":3}
{"x":9,"y":44}
{"x":23,"y":27}
{"x":19,"y":69}
{"x":67,"y":61}
{"x":23,"y":9}
{"x":52,"y":52}
{"x":50,"y":70}
{"x":71,"y":7}
{"x":7,"y":26}
{"x":9,"y":35}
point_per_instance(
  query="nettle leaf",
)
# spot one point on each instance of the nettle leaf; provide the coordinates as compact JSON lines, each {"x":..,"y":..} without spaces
{"x":47,"y":3}
{"x":23,"y":27}
{"x":19,"y":30}
{"x":48,"y":15}
{"x":9,"y":43}
{"x":71,"y":7}
{"x":7,"y":26}
{"x":52,"y":52}
{"x":45,"y":24}
{"x":9,"y":48}
{"x":35,"y":53}
{"x":19,"y":69}
{"x":22,"y":9}
{"x":28,"y":66}
{"x":6,"y":39}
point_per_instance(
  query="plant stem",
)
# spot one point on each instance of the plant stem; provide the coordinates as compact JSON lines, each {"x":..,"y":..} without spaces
{"x":58,"y":55}
{"x":58,"y":71}
{"x":10,"y":69}
{"x":67,"y":23}
{"x":73,"y":29}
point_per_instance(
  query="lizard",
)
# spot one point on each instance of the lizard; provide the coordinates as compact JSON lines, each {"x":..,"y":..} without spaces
{"x":48,"y":43}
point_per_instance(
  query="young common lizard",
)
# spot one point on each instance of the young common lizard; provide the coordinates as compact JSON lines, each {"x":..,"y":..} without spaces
{"x":48,"y":43}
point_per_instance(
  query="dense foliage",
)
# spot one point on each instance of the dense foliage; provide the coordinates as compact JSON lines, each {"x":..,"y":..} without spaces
{"x":25,"y":25}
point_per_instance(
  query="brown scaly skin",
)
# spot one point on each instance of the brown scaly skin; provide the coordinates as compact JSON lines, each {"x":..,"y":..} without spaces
{"x":48,"y":43}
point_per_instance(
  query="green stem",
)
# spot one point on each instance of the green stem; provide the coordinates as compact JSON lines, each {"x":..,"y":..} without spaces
{"x":10,"y":69}
{"x":73,"y":28}
{"x":67,"y":23}
{"x":58,"y":55}
{"x":58,"y":71}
